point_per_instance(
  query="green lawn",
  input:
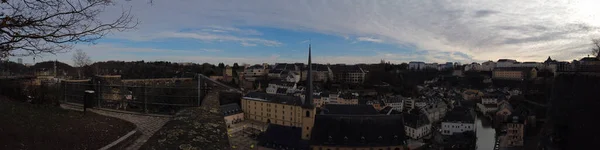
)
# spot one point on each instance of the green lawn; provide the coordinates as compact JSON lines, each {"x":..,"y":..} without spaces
{"x":27,"y":126}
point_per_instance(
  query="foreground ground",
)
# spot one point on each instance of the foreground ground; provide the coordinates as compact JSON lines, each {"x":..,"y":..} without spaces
{"x":26,"y":126}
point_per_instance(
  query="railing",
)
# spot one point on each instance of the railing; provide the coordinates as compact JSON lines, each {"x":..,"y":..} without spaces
{"x":143,"y":99}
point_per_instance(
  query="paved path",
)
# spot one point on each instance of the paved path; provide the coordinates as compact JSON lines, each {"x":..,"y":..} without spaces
{"x":147,"y":125}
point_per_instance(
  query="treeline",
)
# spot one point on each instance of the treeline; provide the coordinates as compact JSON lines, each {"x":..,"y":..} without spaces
{"x":127,"y":70}
{"x":573,"y":111}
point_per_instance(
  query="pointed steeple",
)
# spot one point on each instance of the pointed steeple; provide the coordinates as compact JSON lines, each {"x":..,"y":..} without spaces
{"x":308,"y":98}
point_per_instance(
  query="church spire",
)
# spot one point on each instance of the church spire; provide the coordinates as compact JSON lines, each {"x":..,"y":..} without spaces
{"x":308,"y":98}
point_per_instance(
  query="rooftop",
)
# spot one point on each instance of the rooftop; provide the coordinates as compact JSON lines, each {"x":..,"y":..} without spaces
{"x":274,"y":98}
{"x":230,"y":109}
{"x":331,"y":109}
{"x":513,"y":68}
{"x":357,"y":131}
{"x":459,"y":114}
{"x":284,"y":136}
{"x":415,"y":118}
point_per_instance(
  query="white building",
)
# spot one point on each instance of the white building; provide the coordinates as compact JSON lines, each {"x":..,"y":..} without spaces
{"x":488,"y":66}
{"x":396,"y":102}
{"x":458,"y":120}
{"x":414,"y":65}
{"x":293,"y":77}
{"x":275,"y":87}
{"x":416,"y":124}
{"x":435,"y":111}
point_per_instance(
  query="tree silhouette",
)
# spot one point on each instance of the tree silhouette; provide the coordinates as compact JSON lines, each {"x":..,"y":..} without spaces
{"x":32,"y":27}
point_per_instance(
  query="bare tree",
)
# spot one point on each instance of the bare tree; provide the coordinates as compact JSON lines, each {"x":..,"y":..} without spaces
{"x":596,"y":48}
{"x":81,"y":59}
{"x":32,"y":27}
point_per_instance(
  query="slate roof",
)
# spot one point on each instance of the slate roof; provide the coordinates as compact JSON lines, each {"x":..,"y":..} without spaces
{"x":459,"y":114}
{"x":331,"y":109}
{"x":387,"y":110}
{"x":281,"y":91}
{"x":274,"y":98}
{"x":230,"y":109}
{"x":415,"y":118}
{"x":255,"y":67}
{"x":358,"y":131}
{"x":281,"y":137}
{"x":282,"y":83}
{"x":317,"y":67}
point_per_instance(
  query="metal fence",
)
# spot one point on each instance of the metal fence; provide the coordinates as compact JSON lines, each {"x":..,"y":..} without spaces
{"x":144,"y":99}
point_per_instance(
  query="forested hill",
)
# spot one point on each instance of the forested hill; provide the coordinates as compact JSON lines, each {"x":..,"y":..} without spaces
{"x":574,"y":110}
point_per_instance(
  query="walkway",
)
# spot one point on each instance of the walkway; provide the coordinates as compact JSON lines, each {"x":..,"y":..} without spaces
{"x":146,"y":125}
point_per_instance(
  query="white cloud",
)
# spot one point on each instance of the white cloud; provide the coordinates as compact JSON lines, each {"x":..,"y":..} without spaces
{"x":246,"y":41}
{"x":247,"y":44}
{"x":483,"y":30}
{"x":369,"y":39}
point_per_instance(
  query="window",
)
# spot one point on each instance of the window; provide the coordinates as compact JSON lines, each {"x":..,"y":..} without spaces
{"x":307,"y":113}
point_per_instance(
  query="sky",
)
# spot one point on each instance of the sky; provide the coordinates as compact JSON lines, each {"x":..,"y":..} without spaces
{"x":347,"y":31}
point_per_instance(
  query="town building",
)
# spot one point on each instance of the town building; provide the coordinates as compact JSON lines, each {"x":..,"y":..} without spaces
{"x":514,"y":73}
{"x":458,"y":120}
{"x":320,"y":73}
{"x":416,"y":65}
{"x":233,"y":113}
{"x":395,"y":102}
{"x":416,"y":124}
{"x":472,"y":94}
{"x":505,"y":63}
{"x":360,"y":132}
{"x":488,"y":66}
{"x":255,"y":71}
{"x":348,"y":73}
{"x":330,"y":109}
{"x":281,"y":87}
{"x":515,"y":129}
{"x":435,"y":110}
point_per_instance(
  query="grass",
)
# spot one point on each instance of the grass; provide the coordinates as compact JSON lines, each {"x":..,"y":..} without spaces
{"x":27,"y":126}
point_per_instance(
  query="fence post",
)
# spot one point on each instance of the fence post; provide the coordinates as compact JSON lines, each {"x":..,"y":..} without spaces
{"x":199,"y":89}
{"x":145,"y":98}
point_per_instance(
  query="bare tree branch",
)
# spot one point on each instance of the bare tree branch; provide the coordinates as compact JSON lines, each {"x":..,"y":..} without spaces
{"x":596,"y":47}
{"x":33,"y":27}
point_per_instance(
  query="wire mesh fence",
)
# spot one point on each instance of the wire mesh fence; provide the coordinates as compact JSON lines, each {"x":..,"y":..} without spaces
{"x":144,"y":99}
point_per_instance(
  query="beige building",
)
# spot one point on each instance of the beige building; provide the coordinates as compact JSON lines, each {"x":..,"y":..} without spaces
{"x":512,"y":73}
{"x":336,"y":99}
{"x":233,"y":114}
{"x":514,"y":132}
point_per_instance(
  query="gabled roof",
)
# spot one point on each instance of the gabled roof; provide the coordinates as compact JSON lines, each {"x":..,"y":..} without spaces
{"x":415,"y":118}
{"x":230,"y":109}
{"x":284,"y":136}
{"x":459,"y":114}
{"x":358,"y":131}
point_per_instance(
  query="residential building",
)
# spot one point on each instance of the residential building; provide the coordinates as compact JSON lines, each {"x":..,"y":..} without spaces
{"x":281,"y":70}
{"x":458,"y":120}
{"x":293,"y":77}
{"x":472,"y":94}
{"x":377,"y":104}
{"x":514,"y":73}
{"x":514,"y":132}
{"x":473,"y":67}
{"x":435,"y":110}
{"x":281,"y":87}
{"x":349,"y":132}
{"x":409,"y":103}
{"x":320,"y":73}
{"x":233,"y":113}
{"x":416,"y":124}
{"x":416,"y":65}
{"x":488,"y":66}
{"x":505,"y":63}
{"x":256,"y":71}
{"x":504,"y":111}
{"x":348,"y":73}
{"x":395,"y":102}
{"x":228,"y":72}
{"x":335,"y":99}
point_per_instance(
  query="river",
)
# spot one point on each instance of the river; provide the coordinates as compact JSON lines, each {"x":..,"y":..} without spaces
{"x":485,"y":134}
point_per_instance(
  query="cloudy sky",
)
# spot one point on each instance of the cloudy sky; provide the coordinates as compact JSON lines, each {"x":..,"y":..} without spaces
{"x":347,"y":31}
